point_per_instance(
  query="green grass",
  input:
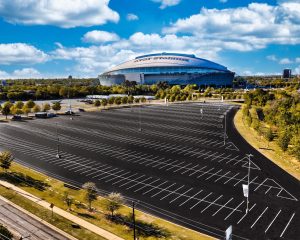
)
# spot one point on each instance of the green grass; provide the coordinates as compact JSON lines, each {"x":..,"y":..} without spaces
{"x":54,"y":194}
{"x":272,"y":151}
{"x":45,"y":214}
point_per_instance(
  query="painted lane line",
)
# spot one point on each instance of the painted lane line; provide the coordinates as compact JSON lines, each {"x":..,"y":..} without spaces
{"x":200,"y":201}
{"x":287,"y":225}
{"x":241,"y":180}
{"x":213,"y":174}
{"x":234,"y":210}
{"x":260,"y":185}
{"x":273,"y":221}
{"x":131,"y":180}
{"x":211,"y":203}
{"x":140,"y":182}
{"x":191,"y":197}
{"x":205,"y":172}
{"x":197,"y":171}
{"x":259,"y":217}
{"x":190,"y":169}
{"x":222,"y":206}
{"x":224,"y":175}
{"x":124,"y":178}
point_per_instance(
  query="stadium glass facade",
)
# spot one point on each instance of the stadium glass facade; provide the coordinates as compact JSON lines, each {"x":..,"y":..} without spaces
{"x":174,"y":68}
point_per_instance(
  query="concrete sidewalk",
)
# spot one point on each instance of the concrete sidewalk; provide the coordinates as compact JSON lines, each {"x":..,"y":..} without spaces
{"x":63,"y":213}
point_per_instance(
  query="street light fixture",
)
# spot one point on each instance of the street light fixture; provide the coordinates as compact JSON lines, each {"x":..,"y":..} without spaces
{"x":140,"y":119}
{"x":225,"y":115}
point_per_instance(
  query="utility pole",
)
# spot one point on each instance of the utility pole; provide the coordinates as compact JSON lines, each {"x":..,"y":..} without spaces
{"x":133,"y":219}
{"x":57,"y":142}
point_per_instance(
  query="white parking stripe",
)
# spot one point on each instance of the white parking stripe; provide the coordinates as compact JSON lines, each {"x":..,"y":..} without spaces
{"x":234,"y":210}
{"x":246,"y":213}
{"x":201,"y":200}
{"x":211,"y":203}
{"x":287,"y":225}
{"x":172,"y":192}
{"x":191,"y":198}
{"x":259,"y":217}
{"x":222,"y":206}
{"x":273,"y":221}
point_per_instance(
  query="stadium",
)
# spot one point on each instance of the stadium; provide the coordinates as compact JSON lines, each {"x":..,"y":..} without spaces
{"x":173,"y":68}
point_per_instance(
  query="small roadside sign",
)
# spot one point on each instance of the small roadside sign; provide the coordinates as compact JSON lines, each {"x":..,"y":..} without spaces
{"x":246,"y":190}
{"x":228,"y":233}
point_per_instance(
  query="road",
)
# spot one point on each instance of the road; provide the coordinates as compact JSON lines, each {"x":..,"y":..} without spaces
{"x":25,"y":225}
{"x":171,"y":160}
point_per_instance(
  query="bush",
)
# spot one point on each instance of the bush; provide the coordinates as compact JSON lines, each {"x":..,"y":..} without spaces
{"x":97,"y":103}
{"x":284,"y":140}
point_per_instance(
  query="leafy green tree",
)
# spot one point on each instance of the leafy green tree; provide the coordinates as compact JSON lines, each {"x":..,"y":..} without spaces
{"x":90,"y":193}
{"x":136,"y":100}
{"x":97,"y":103}
{"x":6,"y":109}
{"x":69,"y":200}
{"x":30,"y":104}
{"x":130,"y":99}
{"x":56,"y":106}
{"x":6,"y":158}
{"x":172,"y":98}
{"x":19,"y":104}
{"x":117,"y":100}
{"x":46,"y":107}
{"x":143,"y":99}
{"x":104,"y":102}
{"x":36,"y":108}
{"x":114,"y":202}
{"x":124,"y":100}
{"x":111,"y":100}
{"x":26,"y":110}
{"x":5,"y":234}
{"x":284,"y":140}
{"x":269,"y":135}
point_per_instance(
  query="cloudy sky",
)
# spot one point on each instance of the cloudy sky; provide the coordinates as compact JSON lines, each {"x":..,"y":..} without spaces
{"x":57,"y":38}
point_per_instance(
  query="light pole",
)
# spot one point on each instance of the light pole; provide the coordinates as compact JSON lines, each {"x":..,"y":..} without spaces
{"x":201,"y":112}
{"x":249,"y":157}
{"x":140,"y":120}
{"x":225,"y":127}
{"x":57,"y":138}
{"x":133,"y":219}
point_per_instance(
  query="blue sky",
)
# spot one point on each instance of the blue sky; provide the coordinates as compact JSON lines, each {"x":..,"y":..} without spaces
{"x":57,"y":38}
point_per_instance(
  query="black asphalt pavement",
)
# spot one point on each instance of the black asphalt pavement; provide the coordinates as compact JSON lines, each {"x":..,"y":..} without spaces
{"x":172,"y":160}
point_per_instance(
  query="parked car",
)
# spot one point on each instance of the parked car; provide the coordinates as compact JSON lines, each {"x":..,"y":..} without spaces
{"x":51,"y":115}
{"x":81,"y":110}
{"x":69,"y":112}
{"x":41,"y":115}
{"x":16,"y":118}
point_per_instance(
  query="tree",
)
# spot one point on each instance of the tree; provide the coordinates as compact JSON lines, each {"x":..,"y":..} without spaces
{"x":36,"y":108}
{"x":90,"y":193}
{"x":114,"y":202}
{"x":117,"y":100}
{"x":30,"y":104}
{"x":124,"y":100}
{"x":19,"y":104}
{"x":5,"y":233}
{"x":56,"y":106}
{"x":143,"y":99}
{"x":26,"y":110}
{"x":6,"y":109}
{"x":111,"y":100}
{"x":6,"y":159}
{"x":97,"y":103}
{"x":130,"y":99}
{"x":269,"y":136}
{"x":69,"y":200}
{"x":46,"y":107}
{"x":136,"y":100}
{"x":104,"y":102}
{"x":284,"y":140}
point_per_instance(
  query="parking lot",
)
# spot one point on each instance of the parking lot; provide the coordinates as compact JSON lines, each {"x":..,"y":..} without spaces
{"x":175,"y":161}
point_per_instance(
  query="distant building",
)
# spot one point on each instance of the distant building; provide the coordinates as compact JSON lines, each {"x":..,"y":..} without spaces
{"x":287,"y":73}
{"x":3,"y":83}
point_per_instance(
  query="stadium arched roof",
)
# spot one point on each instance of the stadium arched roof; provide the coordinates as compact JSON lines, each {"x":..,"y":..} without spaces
{"x":168,"y":60}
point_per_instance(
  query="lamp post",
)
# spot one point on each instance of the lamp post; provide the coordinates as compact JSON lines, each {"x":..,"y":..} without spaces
{"x":225,"y":127}
{"x":140,"y":120}
{"x":133,"y":219}
{"x":248,"y":188}
{"x":57,"y":143}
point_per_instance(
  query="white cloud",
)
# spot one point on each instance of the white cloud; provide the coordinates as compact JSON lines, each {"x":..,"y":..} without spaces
{"x":297,"y":70}
{"x":297,"y":60}
{"x":244,"y":28}
{"x":285,"y":61}
{"x":132,"y":17}
{"x":167,"y":3}
{"x":62,"y":13}
{"x":21,"y":53}
{"x":272,"y":58}
{"x":223,"y":1}
{"x":21,"y":74}
{"x":100,"y":37}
